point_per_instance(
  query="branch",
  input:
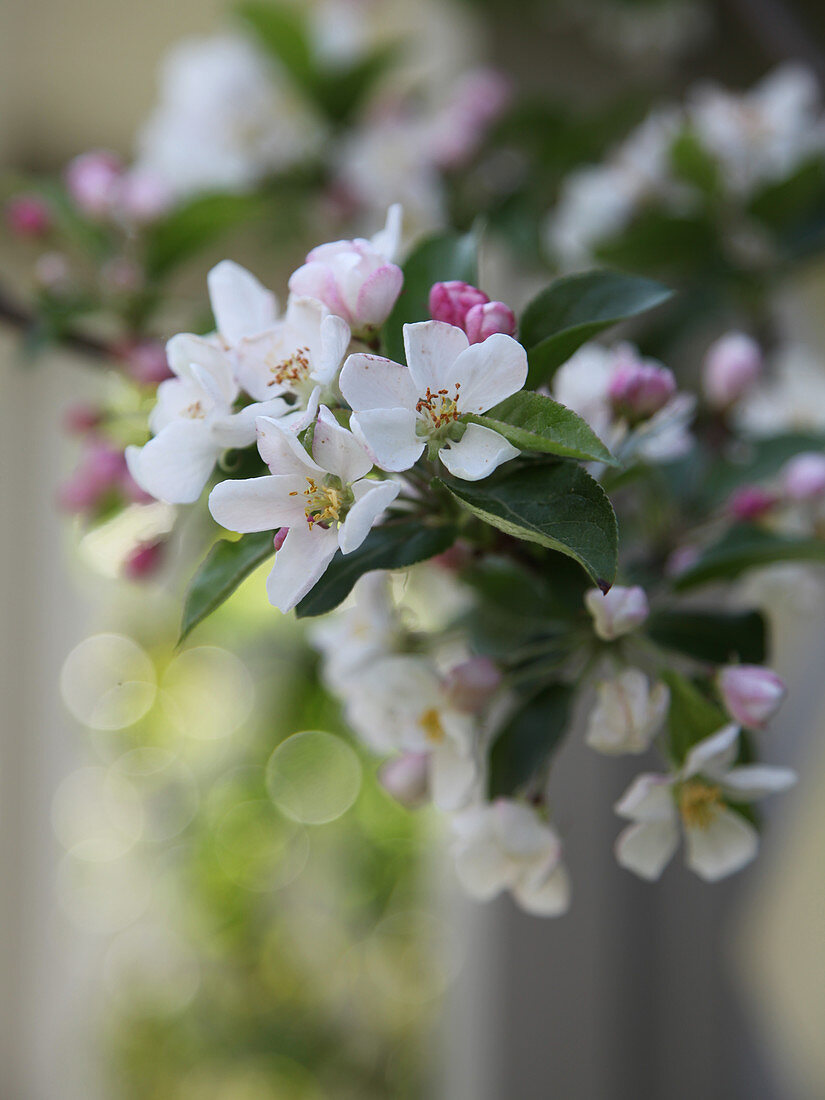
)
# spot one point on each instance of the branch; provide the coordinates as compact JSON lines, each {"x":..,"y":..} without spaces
{"x":24,"y":321}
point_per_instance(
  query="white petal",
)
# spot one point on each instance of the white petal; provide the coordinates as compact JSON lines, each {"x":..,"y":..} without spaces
{"x":176,"y":464}
{"x":454,"y":776}
{"x":281,"y":449}
{"x":300,"y":564}
{"x":389,"y":436}
{"x":335,"y":338}
{"x":483,"y":870}
{"x":757,"y":780}
{"x":186,"y":349}
{"x":648,"y":798}
{"x":488,"y":372}
{"x":647,"y":848}
{"x":432,"y":348}
{"x":722,"y":848}
{"x":387,"y":241}
{"x":370,"y":382}
{"x":258,"y":503}
{"x":240,"y":304}
{"x":478,"y":452}
{"x":240,"y":429}
{"x":546,"y":894}
{"x":377,"y":495}
{"x":338,"y":450}
{"x":714,"y":755}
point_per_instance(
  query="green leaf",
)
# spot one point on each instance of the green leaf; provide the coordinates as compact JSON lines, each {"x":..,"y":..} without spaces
{"x":693,"y":163}
{"x":576,"y":308}
{"x":437,"y":259}
{"x":194,"y":226}
{"x":714,"y":636}
{"x":220,"y":573}
{"x":746,"y":547}
{"x":533,"y":422}
{"x":391,"y":546}
{"x":531,"y":735}
{"x":282,"y":31}
{"x":555,"y":505}
{"x":692,"y":716}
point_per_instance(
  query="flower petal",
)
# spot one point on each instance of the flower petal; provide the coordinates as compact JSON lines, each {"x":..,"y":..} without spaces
{"x":239,"y":429}
{"x":377,"y":295}
{"x":648,"y":798}
{"x":714,"y":755}
{"x":483,"y":870}
{"x":432,"y":349}
{"x":478,"y":452}
{"x":258,"y":503}
{"x":176,"y":464}
{"x":186,"y":349}
{"x":335,"y":338}
{"x":240,"y":304}
{"x":387,"y":241}
{"x":546,"y":894}
{"x":757,"y":780}
{"x":377,"y":495}
{"x":647,"y":848}
{"x":454,"y":776}
{"x":338,"y":450}
{"x":723,"y":847}
{"x":300,"y":564}
{"x":370,"y":382}
{"x":389,"y":436}
{"x":281,"y":449}
{"x":488,"y":372}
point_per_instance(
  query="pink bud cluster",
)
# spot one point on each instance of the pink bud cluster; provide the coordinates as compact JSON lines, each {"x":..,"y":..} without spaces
{"x":28,"y":216}
{"x":466,"y":307}
{"x":100,"y":474}
{"x":639,"y":388}
{"x":731,"y":368}
{"x":752,"y":694}
{"x":102,"y":188}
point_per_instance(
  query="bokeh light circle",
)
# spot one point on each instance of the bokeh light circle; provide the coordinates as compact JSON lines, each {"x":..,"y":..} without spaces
{"x":313,"y":777}
{"x":207,"y":693}
{"x":108,"y":682}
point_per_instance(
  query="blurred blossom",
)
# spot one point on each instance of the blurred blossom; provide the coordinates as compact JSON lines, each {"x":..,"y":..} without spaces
{"x":731,"y":369}
{"x":618,"y":611}
{"x":794,"y":398}
{"x":750,"y":502}
{"x":406,"y":778}
{"x":473,"y":105}
{"x":472,"y":684}
{"x":108,"y":682}
{"x":111,"y":544}
{"x":145,"y":561}
{"x":93,"y":181}
{"x":752,"y":694}
{"x":101,"y":473}
{"x":143,"y":196}
{"x":803,"y":477}
{"x":628,"y":713}
{"x":145,"y":361}
{"x":82,"y":419}
{"x":313,"y":777}
{"x":638,"y":389}
{"x":28,"y":216}
{"x":53,"y":272}
{"x":682,"y":559}
{"x":121,"y":276}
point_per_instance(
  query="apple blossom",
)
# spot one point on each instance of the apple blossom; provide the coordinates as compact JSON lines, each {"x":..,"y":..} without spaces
{"x":618,"y":611}
{"x":192,"y":422}
{"x":487,"y":318}
{"x":400,"y":411}
{"x":750,"y":502}
{"x":359,"y":633}
{"x":803,"y":477}
{"x":451,"y":301}
{"x":731,"y":369}
{"x":505,"y":845}
{"x":400,"y":703}
{"x":639,"y":388}
{"x":406,"y":778}
{"x":719,"y":841}
{"x":628,"y":713}
{"x":357,"y":279}
{"x":144,"y":561}
{"x":145,"y":361}
{"x":325,"y":499}
{"x":752,"y":694}
{"x":473,"y":683}
{"x":93,"y":180}
{"x":143,"y":197}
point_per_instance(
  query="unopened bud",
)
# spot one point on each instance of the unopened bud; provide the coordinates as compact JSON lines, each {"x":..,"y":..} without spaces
{"x":471,"y":685}
{"x":485,"y":319}
{"x":750,"y":502}
{"x":618,"y":611}
{"x":803,"y":478}
{"x":406,"y":778}
{"x":145,"y":361}
{"x":28,"y":216}
{"x":451,"y":302}
{"x":93,"y":182}
{"x":638,"y":389}
{"x":144,"y":561}
{"x":752,"y":694}
{"x":143,"y":197}
{"x":732,"y":366}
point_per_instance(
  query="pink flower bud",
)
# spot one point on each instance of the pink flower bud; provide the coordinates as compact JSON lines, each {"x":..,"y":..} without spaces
{"x":638,"y":389}
{"x":353,"y":280}
{"x":618,"y":611}
{"x":405,"y":777}
{"x":28,"y":216}
{"x":752,"y":694}
{"x":750,"y":502}
{"x":455,"y":559}
{"x":145,"y":361}
{"x":732,"y":366}
{"x":803,"y":478}
{"x":451,"y":302}
{"x":93,"y":181}
{"x":478,"y":100}
{"x":144,"y":561}
{"x":82,"y":419}
{"x":487,"y":318}
{"x":280,"y":538}
{"x":471,"y":685}
{"x":143,"y":197}
{"x":101,"y":471}
{"x":682,"y":559}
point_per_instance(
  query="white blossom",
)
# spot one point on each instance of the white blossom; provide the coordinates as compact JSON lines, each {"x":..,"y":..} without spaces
{"x":617,"y":611}
{"x":358,"y":634}
{"x":628,"y":713}
{"x":400,"y":411}
{"x":718,"y":840}
{"x":505,"y":845}
{"x":326,"y":500}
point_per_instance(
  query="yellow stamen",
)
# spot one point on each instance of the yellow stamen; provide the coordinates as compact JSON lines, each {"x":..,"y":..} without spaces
{"x":699,"y":803}
{"x":439,"y":407}
{"x":323,"y":504}
{"x":195,"y":411}
{"x":289,"y":371}
{"x":430,"y":722}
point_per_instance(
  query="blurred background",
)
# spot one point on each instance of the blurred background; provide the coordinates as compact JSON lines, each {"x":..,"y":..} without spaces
{"x":187,"y":912}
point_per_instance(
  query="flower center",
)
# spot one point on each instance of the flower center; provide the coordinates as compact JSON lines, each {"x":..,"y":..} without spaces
{"x":291,"y":370}
{"x":195,"y":411}
{"x":699,"y":803}
{"x":430,"y":722}
{"x":438,"y":407}
{"x":324,"y":504}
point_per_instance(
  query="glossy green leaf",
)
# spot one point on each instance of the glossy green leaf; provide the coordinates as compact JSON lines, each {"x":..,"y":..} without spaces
{"x":437,"y":259}
{"x":555,"y":505}
{"x":534,"y":422}
{"x":220,"y":573}
{"x":746,"y":547}
{"x":531,"y":735}
{"x":394,"y":545}
{"x":576,"y":308}
{"x":714,"y":636}
{"x":692,"y":715}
